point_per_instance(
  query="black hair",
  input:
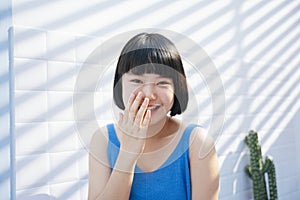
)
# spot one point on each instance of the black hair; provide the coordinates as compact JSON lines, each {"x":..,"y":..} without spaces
{"x":152,"y":53}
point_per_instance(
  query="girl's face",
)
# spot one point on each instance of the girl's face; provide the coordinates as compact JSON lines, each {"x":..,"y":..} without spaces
{"x":159,"y":90}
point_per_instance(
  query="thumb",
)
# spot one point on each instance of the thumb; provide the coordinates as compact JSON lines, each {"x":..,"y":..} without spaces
{"x":120,"y":118}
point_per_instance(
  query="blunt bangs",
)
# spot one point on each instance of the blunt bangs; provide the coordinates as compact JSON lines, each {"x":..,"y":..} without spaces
{"x":142,"y":61}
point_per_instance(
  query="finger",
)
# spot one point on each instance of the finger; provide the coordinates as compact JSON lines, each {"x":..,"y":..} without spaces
{"x":129,"y":104}
{"x":147,"y":119}
{"x":141,"y":112}
{"x":133,"y":109}
{"x":125,"y":116}
{"x":130,"y":100}
{"x":121,"y":121}
{"x":121,"y":116}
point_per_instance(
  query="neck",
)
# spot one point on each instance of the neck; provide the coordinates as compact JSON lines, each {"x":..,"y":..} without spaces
{"x":158,"y":129}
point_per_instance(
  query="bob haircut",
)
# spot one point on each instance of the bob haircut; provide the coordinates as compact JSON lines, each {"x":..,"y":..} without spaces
{"x":152,"y":53}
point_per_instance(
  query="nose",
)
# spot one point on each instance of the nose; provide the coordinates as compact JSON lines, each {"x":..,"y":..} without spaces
{"x":149,"y":90}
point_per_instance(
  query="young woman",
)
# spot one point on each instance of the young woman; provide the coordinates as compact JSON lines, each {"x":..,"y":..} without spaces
{"x":149,"y":154}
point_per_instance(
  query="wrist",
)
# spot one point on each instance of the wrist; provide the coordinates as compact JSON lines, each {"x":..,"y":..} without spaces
{"x":126,"y":162}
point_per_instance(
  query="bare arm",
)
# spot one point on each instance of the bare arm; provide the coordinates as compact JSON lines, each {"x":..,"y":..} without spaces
{"x":104,"y":183}
{"x":116,"y":184}
{"x":204,"y":167}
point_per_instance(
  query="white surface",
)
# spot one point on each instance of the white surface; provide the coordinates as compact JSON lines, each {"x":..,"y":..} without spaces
{"x":253,"y":44}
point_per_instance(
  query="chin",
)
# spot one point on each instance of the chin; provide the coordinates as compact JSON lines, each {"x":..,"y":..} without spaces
{"x":158,"y":117}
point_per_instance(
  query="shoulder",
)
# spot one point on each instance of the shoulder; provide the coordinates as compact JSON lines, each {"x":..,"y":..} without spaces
{"x":201,"y":143}
{"x":100,"y":134}
{"x":99,"y":140}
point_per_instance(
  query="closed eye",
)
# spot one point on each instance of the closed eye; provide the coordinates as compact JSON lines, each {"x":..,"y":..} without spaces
{"x":163,"y":83}
{"x":137,"y":81}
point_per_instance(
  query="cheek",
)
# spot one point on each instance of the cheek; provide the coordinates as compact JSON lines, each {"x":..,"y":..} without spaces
{"x":126,"y":92}
{"x":167,"y":97}
{"x":125,"y":97}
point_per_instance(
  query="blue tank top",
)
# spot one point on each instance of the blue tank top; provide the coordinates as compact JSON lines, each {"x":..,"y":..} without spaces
{"x":170,"y":181}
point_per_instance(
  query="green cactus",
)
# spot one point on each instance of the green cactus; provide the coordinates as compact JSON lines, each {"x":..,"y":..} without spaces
{"x":257,"y":169}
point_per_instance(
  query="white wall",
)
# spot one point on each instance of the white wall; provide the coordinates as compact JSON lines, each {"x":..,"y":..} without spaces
{"x":6,"y":169}
{"x":254,"y":45}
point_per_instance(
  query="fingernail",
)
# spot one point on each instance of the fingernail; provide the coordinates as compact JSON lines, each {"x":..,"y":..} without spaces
{"x":146,"y":100}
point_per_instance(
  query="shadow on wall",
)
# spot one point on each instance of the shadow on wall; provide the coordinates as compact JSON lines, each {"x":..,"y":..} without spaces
{"x":38,"y":197}
{"x":234,"y":180}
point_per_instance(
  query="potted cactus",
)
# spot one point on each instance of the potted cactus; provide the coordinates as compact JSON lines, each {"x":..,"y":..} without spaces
{"x":257,"y":169}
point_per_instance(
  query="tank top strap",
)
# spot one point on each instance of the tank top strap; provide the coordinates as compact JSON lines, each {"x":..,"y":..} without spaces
{"x":183,"y":145}
{"x":112,"y":135}
{"x":185,"y":140}
{"x":113,"y":146}
{"x":187,"y":132}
